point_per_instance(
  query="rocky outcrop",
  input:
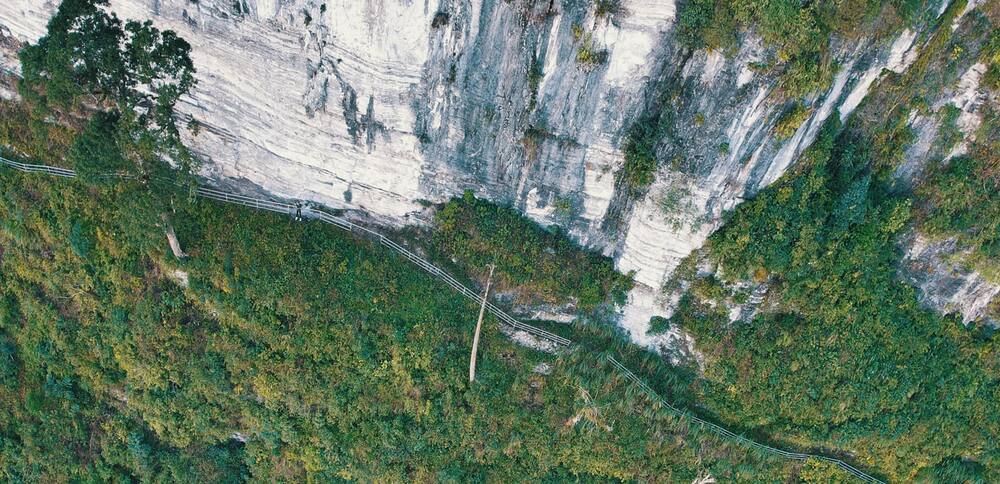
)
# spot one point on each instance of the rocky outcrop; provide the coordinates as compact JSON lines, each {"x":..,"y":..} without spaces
{"x":381,"y":104}
{"x":938,"y":267}
{"x":945,"y":284}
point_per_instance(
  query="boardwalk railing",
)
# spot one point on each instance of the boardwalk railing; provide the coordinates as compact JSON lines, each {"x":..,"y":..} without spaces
{"x":299,"y":209}
{"x":739,"y":438}
{"x":49,"y":170}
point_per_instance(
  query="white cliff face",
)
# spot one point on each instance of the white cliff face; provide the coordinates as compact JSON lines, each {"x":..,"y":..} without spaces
{"x":268,"y":102}
{"x":26,"y":19}
{"x":944,"y":284}
{"x":737,"y":155}
{"x":968,"y":99}
{"x":298,"y":109}
{"x":934,"y":266}
{"x":379,"y":104}
{"x":964,"y":95}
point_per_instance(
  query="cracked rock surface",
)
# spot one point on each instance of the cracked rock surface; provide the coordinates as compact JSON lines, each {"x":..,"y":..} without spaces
{"x":380,"y":104}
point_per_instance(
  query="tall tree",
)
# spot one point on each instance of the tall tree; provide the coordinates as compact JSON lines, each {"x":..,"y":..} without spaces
{"x":125,"y":77}
{"x":90,"y":60}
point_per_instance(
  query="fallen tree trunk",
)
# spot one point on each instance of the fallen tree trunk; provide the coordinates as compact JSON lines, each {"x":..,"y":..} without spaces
{"x":479,"y":326}
{"x":175,"y":245}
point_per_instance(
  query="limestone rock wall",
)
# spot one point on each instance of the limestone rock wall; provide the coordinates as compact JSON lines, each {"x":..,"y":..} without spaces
{"x":381,"y":104}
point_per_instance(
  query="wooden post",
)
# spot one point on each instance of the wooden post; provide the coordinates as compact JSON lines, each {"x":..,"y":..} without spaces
{"x":479,"y":326}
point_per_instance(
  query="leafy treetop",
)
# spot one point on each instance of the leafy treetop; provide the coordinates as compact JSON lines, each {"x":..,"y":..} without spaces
{"x":90,"y":60}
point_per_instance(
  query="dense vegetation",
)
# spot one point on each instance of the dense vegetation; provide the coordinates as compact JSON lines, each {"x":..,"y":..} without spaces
{"x":534,"y":262}
{"x":292,"y":351}
{"x":841,"y":354}
{"x":281,"y":351}
{"x":639,"y":169}
{"x":790,"y":120}
{"x":962,"y":202}
{"x":110,"y":87}
{"x":799,"y":32}
{"x":129,"y":72}
{"x":846,"y":357}
{"x":277,"y":351}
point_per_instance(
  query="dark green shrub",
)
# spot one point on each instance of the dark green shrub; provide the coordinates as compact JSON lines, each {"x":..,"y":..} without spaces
{"x":609,"y":9}
{"x":960,"y":202}
{"x":639,"y":169}
{"x":529,"y":259}
{"x":90,"y":60}
{"x":949,"y":134}
{"x":658,"y":325}
{"x":95,"y":154}
{"x":81,"y":239}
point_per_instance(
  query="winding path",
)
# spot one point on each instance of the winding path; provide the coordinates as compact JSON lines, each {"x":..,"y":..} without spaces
{"x":300,"y":209}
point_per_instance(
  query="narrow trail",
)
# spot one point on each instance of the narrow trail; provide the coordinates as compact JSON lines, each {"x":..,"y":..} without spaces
{"x":302,"y":210}
{"x":726,"y":433}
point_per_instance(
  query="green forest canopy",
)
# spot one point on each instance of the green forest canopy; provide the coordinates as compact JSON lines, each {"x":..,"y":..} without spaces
{"x":546,"y":266}
{"x":842,"y":355}
{"x":276,"y":351}
{"x":293,"y":351}
{"x":130,"y":72}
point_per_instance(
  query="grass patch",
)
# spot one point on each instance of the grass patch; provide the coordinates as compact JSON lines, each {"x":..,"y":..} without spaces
{"x":790,"y":120}
{"x":588,"y":54}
